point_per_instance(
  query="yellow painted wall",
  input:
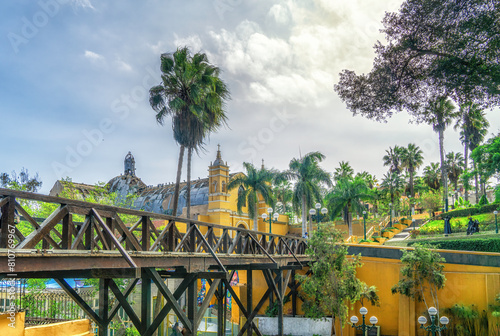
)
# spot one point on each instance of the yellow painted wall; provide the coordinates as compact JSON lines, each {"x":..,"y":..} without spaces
{"x":70,"y":328}
{"x":11,"y":327}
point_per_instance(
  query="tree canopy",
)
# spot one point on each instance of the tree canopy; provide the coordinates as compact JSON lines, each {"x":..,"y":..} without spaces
{"x":434,"y":48}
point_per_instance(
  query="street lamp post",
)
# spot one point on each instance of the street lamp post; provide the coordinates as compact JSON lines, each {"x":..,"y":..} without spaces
{"x":364,"y":223}
{"x":496,"y":221}
{"x":324,"y":211}
{"x":318,"y":207}
{"x":363,"y":327}
{"x":434,"y":328}
{"x":390,"y":213}
{"x":271,"y":216}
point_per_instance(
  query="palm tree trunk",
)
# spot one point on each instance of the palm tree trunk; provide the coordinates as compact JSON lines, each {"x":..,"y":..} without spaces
{"x":349,"y":220}
{"x":256,"y":216}
{"x":412,"y":193}
{"x":477,"y":184}
{"x":466,"y":160}
{"x":304,"y":217}
{"x":444,"y":175}
{"x":178,"y":181}
{"x":188,"y":183}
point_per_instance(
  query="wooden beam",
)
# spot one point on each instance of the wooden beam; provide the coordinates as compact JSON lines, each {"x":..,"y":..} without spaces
{"x":170,"y":298}
{"x":206,"y":302}
{"x":120,"y":248}
{"x":124,"y":231}
{"x":125,"y":305}
{"x":80,"y":302}
{"x":33,"y":238}
{"x":35,"y":225}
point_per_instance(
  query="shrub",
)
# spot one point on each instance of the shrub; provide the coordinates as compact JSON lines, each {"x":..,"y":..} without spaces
{"x":483,"y":201}
{"x":471,"y":211}
{"x":491,"y":244}
{"x":414,"y":233}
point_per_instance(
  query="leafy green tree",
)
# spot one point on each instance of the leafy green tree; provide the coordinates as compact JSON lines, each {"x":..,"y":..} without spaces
{"x":448,"y":47}
{"x":370,"y":179}
{"x":333,"y":282}
{"x":347,"y":195}
{"x":194,"y":96}
{"x":283,"y":192}
{"x":393,"y":158}
{"x":369,"y":293}
{"x":23,"y":181}
{"x":309,"y":177}
{"x":487,"y":157}
{"x":422,"y":275}
{"x":432,"y":176}
{"x":411,"y":159}
{"x":473,"y":128}
{"x":431,"y":201}
{"x":252,"y":185}
{"x":455,"y":164}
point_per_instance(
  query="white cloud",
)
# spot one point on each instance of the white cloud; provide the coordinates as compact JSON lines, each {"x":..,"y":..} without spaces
{"x":82,"y":4}
{"x":193,"y":42}
{"x":123,"y":65}
{"x":93,"y":56}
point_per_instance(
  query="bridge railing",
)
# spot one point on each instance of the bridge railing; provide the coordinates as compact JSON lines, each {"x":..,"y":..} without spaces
{"x":79,"y":225}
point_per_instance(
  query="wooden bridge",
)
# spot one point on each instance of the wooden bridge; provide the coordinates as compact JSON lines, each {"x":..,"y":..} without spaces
{"x":87,"y":240}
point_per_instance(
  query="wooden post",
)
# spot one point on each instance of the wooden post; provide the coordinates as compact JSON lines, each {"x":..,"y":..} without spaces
{"x":294,"y":295}
{"x":192,"y":304}
{"x":103,"y":306}
{"x":145,"y":234}
{"x":89,"y":239}
{"x":8,"y":213}
{"x":145,"y":301}
{"x":110,"y":224}
{"x":280,"y":302}
{"x":249,"y":297}
{"x":67,"y":232}
{"x":221,"y":312}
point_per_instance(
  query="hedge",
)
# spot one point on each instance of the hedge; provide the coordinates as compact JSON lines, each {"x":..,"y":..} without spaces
{"x":470,"y":244}
{"x":471,"y":211}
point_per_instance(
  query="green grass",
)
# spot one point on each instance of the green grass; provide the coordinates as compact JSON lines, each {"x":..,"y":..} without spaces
{"x":458,"y":224}
{"x":460,"y":235}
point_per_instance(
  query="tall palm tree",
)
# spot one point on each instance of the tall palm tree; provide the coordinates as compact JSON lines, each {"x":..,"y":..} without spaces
{"x":370,"y":179}
{"x":393,"y":159}
{"x":432,"y":176}
{"x":411,"y":159}
{"x":440,"y":113}
{"x":455,"y":164}
{"x":347,"y":194}
{"x":283,"y":192}
{"x":309,"y":177}
{"x":252,"y":185}
{"x":344,"y":171}
{"x":194,"y":96}
{"x":473,"y":128}
{"x":393,"y":184}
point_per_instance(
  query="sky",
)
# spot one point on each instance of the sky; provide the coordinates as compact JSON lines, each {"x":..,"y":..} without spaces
{"x":75,"y":76}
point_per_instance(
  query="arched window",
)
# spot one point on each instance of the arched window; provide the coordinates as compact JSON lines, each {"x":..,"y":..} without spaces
{"x":223,"y":186}
{"x":215,"y":186}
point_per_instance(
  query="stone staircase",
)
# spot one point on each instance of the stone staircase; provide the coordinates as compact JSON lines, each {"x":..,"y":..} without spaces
{"x":406,"y":232}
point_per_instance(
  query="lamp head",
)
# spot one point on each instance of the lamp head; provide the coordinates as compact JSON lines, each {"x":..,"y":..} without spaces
{"x":495,"y":212}
{"x":364,"y":212}
{"x":444,"y":320}
{"x":317,"y":206}
{"x":354,"y":319}
{"x":276,"y":215}
{"x":422,"y":320}
{"x":373,"y":320}
{"x":264,"y":216}
{"x":363,"y":311}
{"x":312,"y":212}
{"x":324,"y":211}
{"x":432,"y":311}
{"x":270,"y":210}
